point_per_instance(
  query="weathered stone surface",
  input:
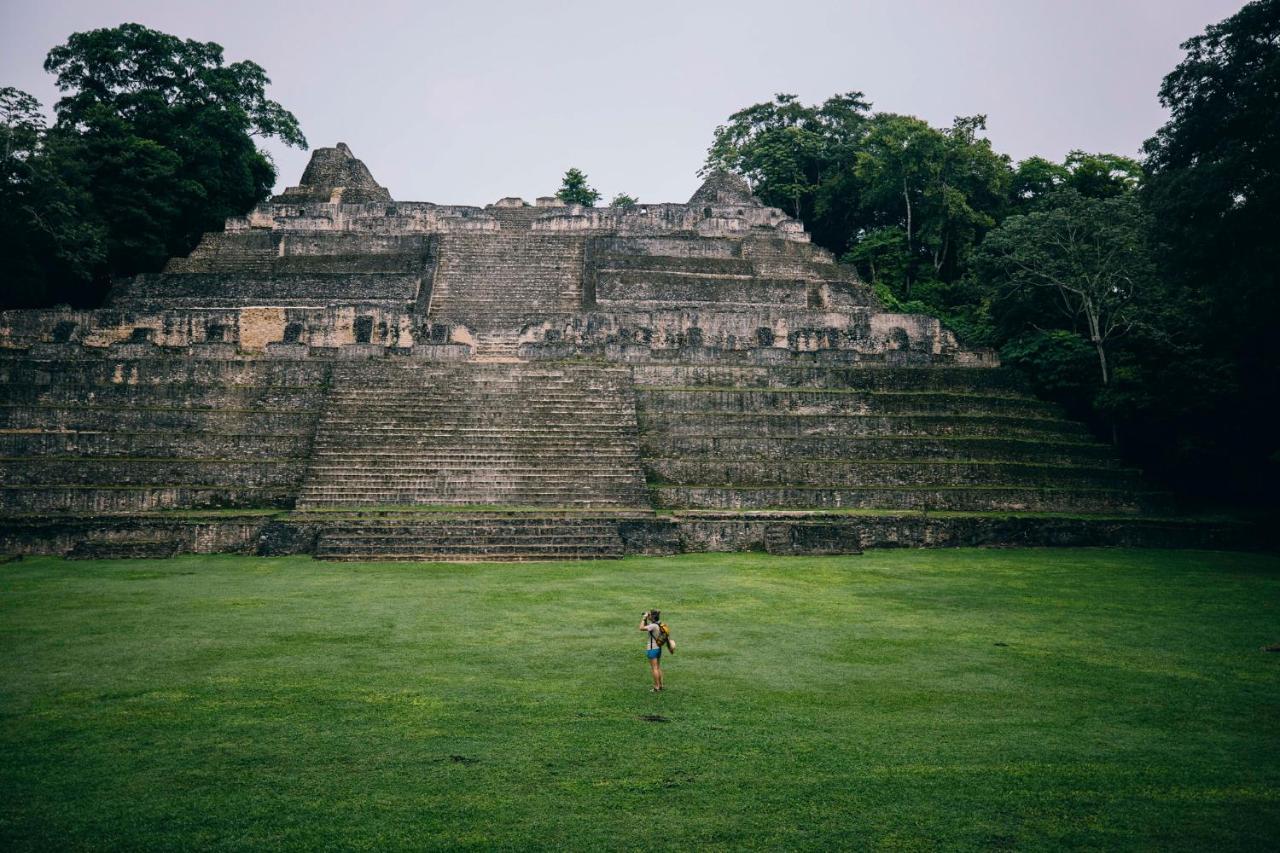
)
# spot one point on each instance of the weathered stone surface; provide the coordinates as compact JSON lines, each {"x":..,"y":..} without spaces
{"x":515,"y":381}
{"x":723,"y":188}
{"x":335,"y":175}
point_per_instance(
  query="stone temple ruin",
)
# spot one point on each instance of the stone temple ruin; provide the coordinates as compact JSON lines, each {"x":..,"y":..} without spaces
{"x":341,"y":374}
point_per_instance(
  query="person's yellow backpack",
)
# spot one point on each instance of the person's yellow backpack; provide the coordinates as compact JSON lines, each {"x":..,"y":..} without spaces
{"x":666,"y":638}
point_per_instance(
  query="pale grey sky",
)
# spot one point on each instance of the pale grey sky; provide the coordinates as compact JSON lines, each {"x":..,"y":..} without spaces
{"x":468,"y":102}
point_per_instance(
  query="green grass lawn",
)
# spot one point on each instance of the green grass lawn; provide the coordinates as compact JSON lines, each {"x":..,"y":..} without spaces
{"x":965,"y":699}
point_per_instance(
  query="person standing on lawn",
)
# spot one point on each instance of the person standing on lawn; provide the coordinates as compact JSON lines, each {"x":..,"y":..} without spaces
{"x":654,"y":641}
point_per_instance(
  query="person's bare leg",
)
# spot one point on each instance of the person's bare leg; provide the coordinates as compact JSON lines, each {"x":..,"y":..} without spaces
{"x":656,"y":670}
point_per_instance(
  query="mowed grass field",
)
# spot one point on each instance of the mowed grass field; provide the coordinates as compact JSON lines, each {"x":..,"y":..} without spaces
{"x":913,"y":700}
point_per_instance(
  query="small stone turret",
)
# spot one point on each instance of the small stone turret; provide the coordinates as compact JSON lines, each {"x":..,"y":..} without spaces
{"x":722,"y":187}
{"x":334,"y":175}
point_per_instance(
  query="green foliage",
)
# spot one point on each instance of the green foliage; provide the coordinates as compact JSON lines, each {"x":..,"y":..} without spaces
{"x":624,"y":201}
{"x":951,"y":699}
{"x":1090,"y":254}
{"x":798,"y":158}
{"x":1214,"y":199}
{"x":903,"y":201}
{"x":943,"y":188}
{"x":1036,"y":180}
{"x":1102,"y":175}
{"x":575,"y":190}
{"x":50,"y":237}
{"x":153,"y":145}
{"x":1166,"y":269}
{"x":167,"y":132}
{"x":1060,"y":364}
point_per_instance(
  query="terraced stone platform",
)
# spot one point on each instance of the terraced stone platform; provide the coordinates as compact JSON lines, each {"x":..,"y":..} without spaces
{"x":871,"y":438}
{"x":468,"y":536}
{"x":346,"y":375}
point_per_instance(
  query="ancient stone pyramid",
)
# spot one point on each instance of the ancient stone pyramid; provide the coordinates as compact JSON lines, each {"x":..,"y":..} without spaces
{"x":341,"y":374}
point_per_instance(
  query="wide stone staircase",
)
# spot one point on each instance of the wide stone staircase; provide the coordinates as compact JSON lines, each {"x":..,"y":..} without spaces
{"x":513,"y":461}
{"x":104,"y":436}
{"x":868,"y":439}
{"x":499,"y":279}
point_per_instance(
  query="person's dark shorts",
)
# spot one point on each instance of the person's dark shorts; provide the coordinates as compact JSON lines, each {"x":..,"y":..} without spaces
{"x":654,"y":653}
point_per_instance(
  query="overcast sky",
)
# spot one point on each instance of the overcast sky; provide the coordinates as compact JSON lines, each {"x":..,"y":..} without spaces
{"x":468,"y":102}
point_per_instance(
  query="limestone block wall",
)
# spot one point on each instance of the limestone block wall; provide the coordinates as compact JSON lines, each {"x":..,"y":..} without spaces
{"x":281,"y":251}
{"x":409,"y":217}
{"x":761,"y":334}
{"x":121,"y":435}
{"x":250,"y":330}
{"x":207,"y":290}
{"x":654,"y":272}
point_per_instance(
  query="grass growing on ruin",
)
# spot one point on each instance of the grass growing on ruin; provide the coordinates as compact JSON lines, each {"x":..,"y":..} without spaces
{"x":903,"y":699}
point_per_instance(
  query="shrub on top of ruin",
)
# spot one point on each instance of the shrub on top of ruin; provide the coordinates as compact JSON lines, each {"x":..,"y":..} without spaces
{"x":575,"y":190}
{"x":624,"y":201}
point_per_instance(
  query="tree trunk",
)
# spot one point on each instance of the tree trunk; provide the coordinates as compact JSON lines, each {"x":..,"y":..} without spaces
{"x":906,"y":197}
{"x":1098,"y":344}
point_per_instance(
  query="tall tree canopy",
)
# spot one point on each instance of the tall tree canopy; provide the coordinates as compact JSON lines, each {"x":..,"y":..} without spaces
{"x":1090,"y":254}
{"x":50,"y":238}
{"x":1214,"y":195}
{"x":166,"y":129}
{"x":799,"y":158}
{"x":902,"y":200}
{"x":153,"y":145}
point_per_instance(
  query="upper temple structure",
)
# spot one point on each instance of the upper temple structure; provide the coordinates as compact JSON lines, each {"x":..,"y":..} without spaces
{"x":343,"y":374}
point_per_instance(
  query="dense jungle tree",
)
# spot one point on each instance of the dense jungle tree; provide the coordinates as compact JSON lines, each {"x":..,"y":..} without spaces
{"x":49,"y":237}
{"x":1213,"y":192}
{"x":153,"y":144}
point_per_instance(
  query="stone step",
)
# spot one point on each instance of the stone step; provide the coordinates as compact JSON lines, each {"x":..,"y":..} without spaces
{"x":485,"y":434}
{"x":186,"y":369}
{"x":37,"y":471}
{"x":460,"y":472}
{"x":809,"y":401}
{"x":961,"y":498}
{"x":467,"y":492}
{"x":132,"y":420}
{"x":136,"y":498}
{"x":176,"y":445}
{"x":429,"y":463}
{"x":483,"y":553}
{"x":59,"y":392}
{"x":869,"y":378}
{"x":134,"y":549}
{"x":914,"y":447}
{"x":866,"y":473}
{"x":471,"y":497}
{"x":802,"y":424}
{"x":466,"y":539}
